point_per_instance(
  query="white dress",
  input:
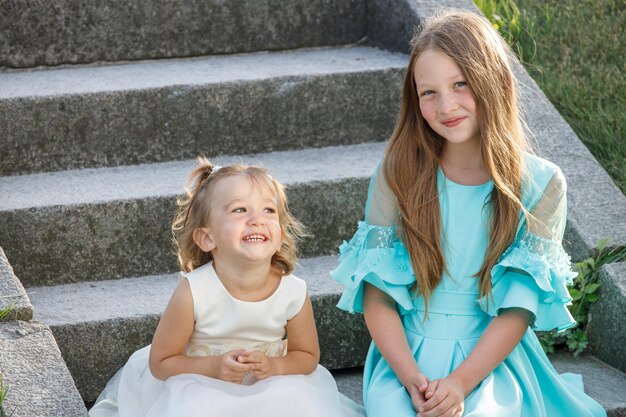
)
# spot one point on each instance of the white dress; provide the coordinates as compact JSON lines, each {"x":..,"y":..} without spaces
{"x":224,"y":323}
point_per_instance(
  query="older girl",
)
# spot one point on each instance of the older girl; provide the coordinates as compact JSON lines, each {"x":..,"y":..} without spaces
{"x":460,"y":258}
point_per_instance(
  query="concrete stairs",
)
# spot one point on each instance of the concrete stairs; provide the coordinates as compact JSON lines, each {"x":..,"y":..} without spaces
{"x":104,"y":106}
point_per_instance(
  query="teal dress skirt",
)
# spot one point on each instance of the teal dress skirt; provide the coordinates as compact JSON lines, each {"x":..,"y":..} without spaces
{"x":531,"y":274}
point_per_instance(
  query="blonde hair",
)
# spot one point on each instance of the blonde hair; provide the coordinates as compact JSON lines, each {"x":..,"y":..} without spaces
{"x":413,"y":153}
{"x":194,"y":210}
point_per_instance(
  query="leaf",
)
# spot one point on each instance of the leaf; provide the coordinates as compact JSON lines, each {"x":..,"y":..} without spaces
{"x":575,"y":294}
{"x":602,"y":243}
{"x":592,"y":298}
{"x":591,"y":288}
{"x":577,"y":342}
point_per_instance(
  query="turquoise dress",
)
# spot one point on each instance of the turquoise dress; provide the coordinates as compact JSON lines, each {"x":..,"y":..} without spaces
{"x":531,"y":274}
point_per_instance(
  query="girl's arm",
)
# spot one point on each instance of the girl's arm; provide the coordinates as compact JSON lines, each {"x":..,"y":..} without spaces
{"x":303,"y":351}
{"x":167,"y":357}
{"x":496,"y":343}
{"x":499,"y":339}
{"x":383,"y":322}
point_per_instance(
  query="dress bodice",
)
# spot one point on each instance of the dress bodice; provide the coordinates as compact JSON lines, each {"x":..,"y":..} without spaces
{"x":224,"y":323}
{"x":465,"y":231}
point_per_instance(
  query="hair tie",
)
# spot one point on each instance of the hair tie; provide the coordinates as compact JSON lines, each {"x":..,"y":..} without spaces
{"x":215,"y":168}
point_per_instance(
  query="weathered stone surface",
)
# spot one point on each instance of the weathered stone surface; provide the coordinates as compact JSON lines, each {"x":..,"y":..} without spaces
{"x":12,"y":293}
{"x":108,"y":223}
{"x":343,"y":337}
{"x":350,"y":383}
{"x":603,"y":383}
{"x":39,"y":382}
{"x":607,"y":328}
{"x":103,"y":323}
{"x":94,"y":351}
{"x":78,"y":31}
{"x":392,"y":23}
{"x":177,"y":109}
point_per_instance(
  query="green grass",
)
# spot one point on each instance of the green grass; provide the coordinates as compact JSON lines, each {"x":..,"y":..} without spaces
{"x":575,"y":50}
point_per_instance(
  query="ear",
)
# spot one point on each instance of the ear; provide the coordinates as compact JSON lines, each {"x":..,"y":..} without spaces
{"x":203,"y":237}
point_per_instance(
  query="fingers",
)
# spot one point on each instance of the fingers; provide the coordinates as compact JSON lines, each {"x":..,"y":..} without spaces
{"x":431,"y":389}
{"x":248,"y":357}
{"x":446,"y":408}
{"x":422,"y":383}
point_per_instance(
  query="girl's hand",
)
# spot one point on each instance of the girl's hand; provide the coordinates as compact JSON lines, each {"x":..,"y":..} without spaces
{"x":416,"y":388}
{"x":261,"y":365}
{"x":444,"y":397}
{"x":230,"y":369}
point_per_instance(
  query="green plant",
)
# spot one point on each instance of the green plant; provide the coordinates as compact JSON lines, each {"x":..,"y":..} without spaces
{"x":584,"y":292}
{"x":576,"y":49}
{"x":5,"y":312}
{"x":4,"y":389}
{"x":509,"y":20}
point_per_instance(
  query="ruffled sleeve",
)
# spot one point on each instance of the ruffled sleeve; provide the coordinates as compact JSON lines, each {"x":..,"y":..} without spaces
{"x":534,"y":272}
{"x":375,"y":254}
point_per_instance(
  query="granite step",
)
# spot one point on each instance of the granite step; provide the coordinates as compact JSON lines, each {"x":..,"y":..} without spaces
{"x":607,"y":331}
{"x":58,"y":32}
{"x":115,"y":222}
{"x":98,"y":325}
{"x":156,"y":111}
{"x":39,"y":383}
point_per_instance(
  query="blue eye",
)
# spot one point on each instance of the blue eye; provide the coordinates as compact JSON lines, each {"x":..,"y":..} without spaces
{"x":239,"y":210}
{"x":460,"y":84}
{"x":427,"y":93}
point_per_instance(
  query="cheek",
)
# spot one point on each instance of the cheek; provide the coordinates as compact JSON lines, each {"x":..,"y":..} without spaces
{"x":427,"y":108}
{"x":469,"y":102}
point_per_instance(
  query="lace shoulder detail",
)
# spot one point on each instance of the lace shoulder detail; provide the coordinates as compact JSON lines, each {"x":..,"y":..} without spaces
{"x":374,"y":255}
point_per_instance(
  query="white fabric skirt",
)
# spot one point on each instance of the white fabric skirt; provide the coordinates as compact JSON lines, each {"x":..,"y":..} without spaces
{"x":134,"y":392}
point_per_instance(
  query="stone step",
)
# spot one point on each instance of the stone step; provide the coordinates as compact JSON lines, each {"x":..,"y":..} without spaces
{"x":602,"y":382}
{"x":115,"y":222}
{"x":98,"y":325}
{"x":80,"y":31}
{"x":155,"y":111}
{"x":39,"y":383}
{"x":607,"y":331}
{"x":13,"y":299}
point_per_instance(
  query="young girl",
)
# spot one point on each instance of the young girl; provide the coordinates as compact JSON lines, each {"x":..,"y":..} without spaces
{"x":460,"y":251}
{"x":221,"y":347}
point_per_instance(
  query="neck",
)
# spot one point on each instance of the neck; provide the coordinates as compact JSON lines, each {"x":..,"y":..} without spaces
{"x":465,"y":156}
{"x":463,"y":163}
{"x":244,"y":278}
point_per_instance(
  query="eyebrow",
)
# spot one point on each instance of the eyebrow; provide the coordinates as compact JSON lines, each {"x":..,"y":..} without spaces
{"x":240,"y":201}
{"x":450,"y":78}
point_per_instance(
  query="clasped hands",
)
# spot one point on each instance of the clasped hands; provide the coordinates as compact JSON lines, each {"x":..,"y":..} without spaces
{"x":439,"y":398}
{"x":234,"y":365}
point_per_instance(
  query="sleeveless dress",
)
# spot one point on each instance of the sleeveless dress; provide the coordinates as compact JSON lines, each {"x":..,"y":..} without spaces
{"x":224,"y":323}
{"x":531,"y":274}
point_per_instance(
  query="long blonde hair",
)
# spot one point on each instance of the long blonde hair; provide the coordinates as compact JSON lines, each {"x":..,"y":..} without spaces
{"x":413,"y":153}
{"x":194,"y":212}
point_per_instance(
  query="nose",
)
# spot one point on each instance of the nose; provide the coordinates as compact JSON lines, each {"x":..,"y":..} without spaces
{"x":255,"y":218}
{"x":447,"y":102}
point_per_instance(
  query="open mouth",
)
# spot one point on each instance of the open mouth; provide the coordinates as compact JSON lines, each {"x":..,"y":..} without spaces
{"x":254,"y":238}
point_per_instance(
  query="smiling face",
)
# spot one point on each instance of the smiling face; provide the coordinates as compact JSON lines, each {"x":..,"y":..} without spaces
{"x":446,"y":101}
{"x":243,"y":222}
